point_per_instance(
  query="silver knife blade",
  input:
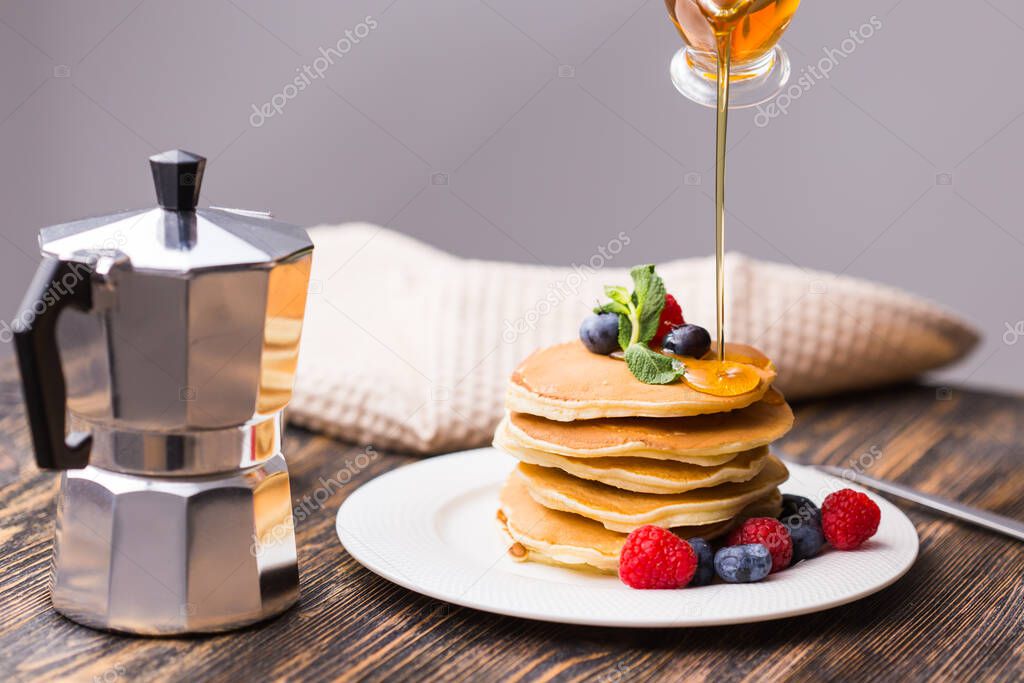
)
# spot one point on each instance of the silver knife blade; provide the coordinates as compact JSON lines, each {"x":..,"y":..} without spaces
{"x":972,"y":515}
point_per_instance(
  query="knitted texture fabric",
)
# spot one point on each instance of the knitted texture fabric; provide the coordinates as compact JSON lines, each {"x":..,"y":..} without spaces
{"x":409,"y":348}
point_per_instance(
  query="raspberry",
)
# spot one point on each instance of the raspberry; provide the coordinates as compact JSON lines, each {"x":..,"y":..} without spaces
{"x":771,"y":533}
{"x":849,"y":518}
{"x":656,"y":558}
{"x":671,"y":316}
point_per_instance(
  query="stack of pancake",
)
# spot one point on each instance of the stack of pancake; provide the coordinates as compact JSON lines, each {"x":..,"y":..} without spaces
{"x":602,"y":453}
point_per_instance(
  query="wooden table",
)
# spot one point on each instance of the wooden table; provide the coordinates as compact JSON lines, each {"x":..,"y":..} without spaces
{"x":958,"y":614}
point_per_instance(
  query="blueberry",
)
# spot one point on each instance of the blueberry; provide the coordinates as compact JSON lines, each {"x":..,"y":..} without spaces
{"x":807,"y":540}
{"x":743,"y":563}
{"x":797,"y":509}
{"x":600,"y":332}
{"x":687,"y":340}
{"x":705,"y":562}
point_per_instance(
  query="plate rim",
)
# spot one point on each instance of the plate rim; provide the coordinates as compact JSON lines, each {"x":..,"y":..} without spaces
{"x":397,"y":578}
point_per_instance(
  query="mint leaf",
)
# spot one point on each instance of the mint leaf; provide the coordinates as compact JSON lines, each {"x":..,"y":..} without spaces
{"x":649,"y":297}
{"x":625,"y":331}
{"x":640,"y":312}
{"x":650,"y":316}
{"x":641,"y":281}
{"x":650,"y":367}
{"x":612,"y":307}
{"x":619,"y":295}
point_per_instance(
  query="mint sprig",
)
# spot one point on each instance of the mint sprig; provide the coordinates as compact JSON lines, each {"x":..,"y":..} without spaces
{"x":639,"y":315}
{"x":651,"y":367}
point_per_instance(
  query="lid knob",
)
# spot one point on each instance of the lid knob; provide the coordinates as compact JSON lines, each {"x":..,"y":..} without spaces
{"x":177,"y":175}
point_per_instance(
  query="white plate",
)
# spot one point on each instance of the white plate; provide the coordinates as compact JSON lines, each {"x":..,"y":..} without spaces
{"x":431,"y":528}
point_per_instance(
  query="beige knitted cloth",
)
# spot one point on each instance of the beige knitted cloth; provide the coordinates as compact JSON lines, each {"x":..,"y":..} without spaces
{"x":407,"y":347}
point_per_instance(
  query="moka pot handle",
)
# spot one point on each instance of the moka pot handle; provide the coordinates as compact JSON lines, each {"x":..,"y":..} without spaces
{"x":57,"y":285}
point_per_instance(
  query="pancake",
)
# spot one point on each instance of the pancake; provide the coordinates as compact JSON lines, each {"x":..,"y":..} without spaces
{"x":624,"y":511}
{"x":566,"y":382}
{"x":538,"y":534}
{"x":642,"y":474}
{"x":701,"y":439}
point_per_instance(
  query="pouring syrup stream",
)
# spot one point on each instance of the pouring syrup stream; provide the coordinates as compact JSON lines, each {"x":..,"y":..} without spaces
{"x":724,"y":17}
{"x":720,"y":139}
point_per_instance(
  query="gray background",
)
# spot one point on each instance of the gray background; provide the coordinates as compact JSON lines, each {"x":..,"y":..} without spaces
{"x":536,"y":130}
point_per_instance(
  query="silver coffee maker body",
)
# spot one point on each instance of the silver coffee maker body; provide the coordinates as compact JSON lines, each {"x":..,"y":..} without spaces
{"x":169,"y":337}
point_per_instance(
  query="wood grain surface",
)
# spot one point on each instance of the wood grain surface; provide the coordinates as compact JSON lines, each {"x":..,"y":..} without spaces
{"x":958,"y":614}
